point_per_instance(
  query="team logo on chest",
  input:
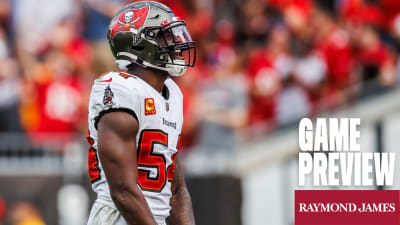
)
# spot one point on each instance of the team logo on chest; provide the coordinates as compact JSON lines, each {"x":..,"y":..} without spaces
{"x":149,"y":106}
{"x":108,"y":96}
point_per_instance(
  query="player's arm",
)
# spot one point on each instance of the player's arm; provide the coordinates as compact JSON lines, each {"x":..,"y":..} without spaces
{"x":117,"y":149}
{"x":181,"y":204}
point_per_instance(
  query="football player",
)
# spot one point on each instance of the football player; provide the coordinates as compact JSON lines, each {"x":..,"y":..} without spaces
{"x":135,"y":121}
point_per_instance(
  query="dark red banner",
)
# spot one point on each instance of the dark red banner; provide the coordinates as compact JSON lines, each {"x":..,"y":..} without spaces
{"x":339,"y":207}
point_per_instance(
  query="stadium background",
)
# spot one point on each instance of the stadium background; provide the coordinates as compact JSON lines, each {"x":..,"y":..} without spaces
{"x":261,"y":65}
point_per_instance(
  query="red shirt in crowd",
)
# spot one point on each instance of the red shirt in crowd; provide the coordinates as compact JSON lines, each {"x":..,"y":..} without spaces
{"x":61,"y":109}
{"x":262,"y":107}
{"x":338,"y":57}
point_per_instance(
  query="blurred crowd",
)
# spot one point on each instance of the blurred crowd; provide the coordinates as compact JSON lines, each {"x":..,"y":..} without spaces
{"x":261,"y":64}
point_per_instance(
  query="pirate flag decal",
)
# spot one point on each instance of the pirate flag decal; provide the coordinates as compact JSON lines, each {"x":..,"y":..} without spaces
{"x":131,"y":19}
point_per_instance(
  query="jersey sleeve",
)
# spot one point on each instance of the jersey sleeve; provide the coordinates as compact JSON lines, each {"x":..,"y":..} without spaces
{"x":109,"y":94}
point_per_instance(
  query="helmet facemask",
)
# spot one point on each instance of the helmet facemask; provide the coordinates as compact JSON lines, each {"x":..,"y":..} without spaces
{"x":176,"y":49}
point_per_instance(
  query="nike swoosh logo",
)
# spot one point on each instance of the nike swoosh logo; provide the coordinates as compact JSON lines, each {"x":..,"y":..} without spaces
{"x":109,"y":80}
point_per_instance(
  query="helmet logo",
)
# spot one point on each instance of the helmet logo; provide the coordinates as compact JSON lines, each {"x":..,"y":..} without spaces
{"x":128,"y":16}
{"x":129,"y":19}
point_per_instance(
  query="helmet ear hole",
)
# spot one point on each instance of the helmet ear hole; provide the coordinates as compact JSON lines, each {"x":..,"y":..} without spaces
{"x":163,"y":58}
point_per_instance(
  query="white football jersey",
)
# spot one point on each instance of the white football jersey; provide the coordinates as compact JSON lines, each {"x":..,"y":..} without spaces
{"x":160,"y":121}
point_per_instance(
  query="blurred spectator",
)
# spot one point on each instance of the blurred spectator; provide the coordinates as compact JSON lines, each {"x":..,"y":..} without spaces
{"x":221,"y":111}
{"x":292,"y":100}
{"x":255,"y":18}
{"x":25,"y":213}
{"x":199,"y":21}
{"x":265,"y":83}
{"x":293,"y":103}
{"x":278,"y":49}
{"x":59,"y":96}
{"x":10,"y":90}
{"x":377,"y":63}
{"x":222,"y":105}
{"x":297,"y":15}
{"x":333,"y":43}
{"x":309,"y":71}
{"x":97,"y":18}
{"x":66,"y":40}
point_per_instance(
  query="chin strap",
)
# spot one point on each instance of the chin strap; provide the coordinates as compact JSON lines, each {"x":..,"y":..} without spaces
{"x":172,"y":70}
